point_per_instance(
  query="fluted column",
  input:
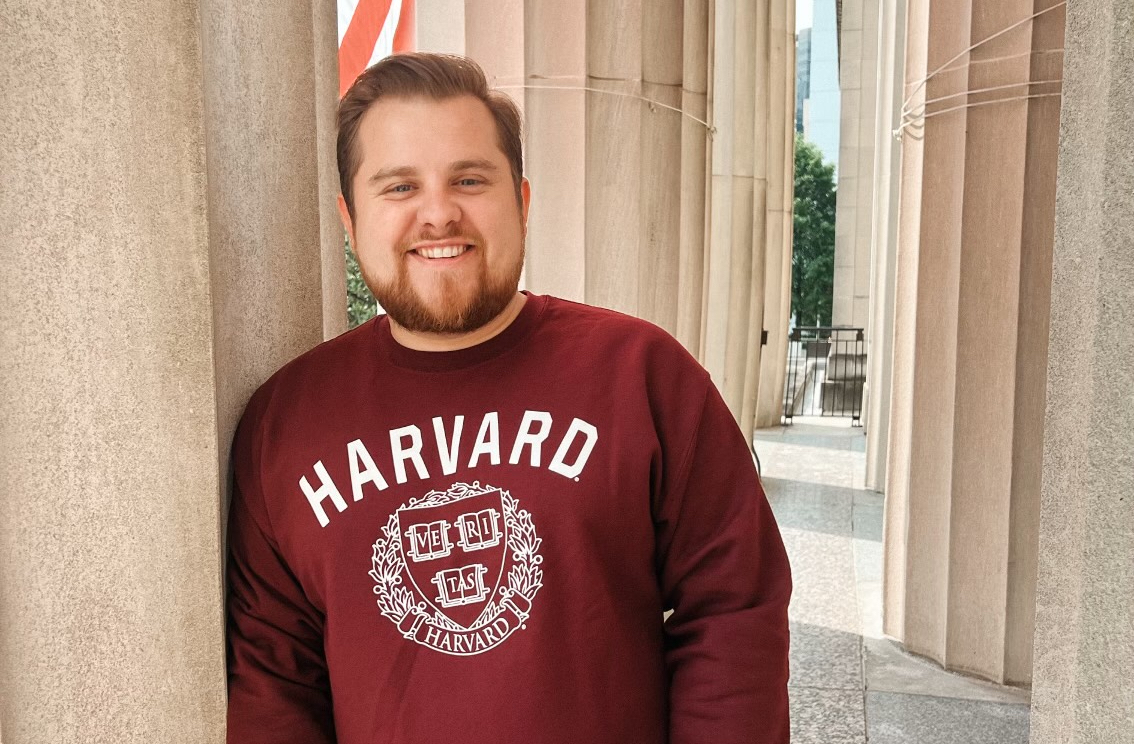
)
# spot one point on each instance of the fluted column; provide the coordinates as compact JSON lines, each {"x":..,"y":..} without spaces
{"x":858,"y":88}
{"x":739,"y":191}
{"x":696,"y":22}
{"x":749,"y":230}
{"x":555,"y":145}
{"x":768,"y":397}
{"x":614,"y":153}
{"x":1084,"y":640}
{"x":325,"y":53}
{"x":973,"y":278}
{"x":884,"y":239}
{"x":157,"y":266}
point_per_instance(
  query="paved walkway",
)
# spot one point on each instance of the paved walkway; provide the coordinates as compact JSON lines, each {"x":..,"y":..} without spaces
{"x":849,"y":684}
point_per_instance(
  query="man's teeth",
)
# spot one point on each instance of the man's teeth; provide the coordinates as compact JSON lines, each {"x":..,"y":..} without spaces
{"x":448,"y":251}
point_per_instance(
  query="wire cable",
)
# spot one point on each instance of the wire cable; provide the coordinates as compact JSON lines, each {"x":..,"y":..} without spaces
{"x":921,"y":83}
{"x":925,"y":104}
{"x":709,"y":128}
{"x":906,"y":125}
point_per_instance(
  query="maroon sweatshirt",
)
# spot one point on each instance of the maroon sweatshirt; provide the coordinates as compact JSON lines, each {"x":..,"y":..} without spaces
{"x":478,"y":546}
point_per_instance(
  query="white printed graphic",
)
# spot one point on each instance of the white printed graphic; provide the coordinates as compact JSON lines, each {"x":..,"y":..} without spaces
{"x":461,"y":586}
{"x":457,"y":570}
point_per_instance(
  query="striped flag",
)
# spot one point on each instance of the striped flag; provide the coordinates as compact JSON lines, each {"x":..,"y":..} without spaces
{"x":370,"y":30}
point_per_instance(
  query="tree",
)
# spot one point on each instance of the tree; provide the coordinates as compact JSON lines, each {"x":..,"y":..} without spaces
{"x":361,"y":305}
{"x":813,"y":236}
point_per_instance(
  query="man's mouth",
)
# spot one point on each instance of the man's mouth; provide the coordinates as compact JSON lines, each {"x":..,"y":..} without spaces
{"x":441,"y":251}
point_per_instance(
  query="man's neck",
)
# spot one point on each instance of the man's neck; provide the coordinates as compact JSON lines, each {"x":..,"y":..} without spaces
{"x":419,"y":341}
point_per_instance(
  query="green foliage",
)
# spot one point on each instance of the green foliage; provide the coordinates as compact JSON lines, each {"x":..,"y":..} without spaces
{"x":361,"y":305}
{"x":813,"y":237}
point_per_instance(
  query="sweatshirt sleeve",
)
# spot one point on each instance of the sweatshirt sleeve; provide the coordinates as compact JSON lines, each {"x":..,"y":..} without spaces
{"x":725,"y":574}
{"x":278,"y":687}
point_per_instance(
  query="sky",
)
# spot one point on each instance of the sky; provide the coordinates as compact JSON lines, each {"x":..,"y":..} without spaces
{"x":803,"y":14}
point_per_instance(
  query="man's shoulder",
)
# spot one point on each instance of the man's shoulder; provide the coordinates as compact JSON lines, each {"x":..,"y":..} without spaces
{"x":620,"y":339}
{"x":607,"y":322}
{"x":326,"y":366}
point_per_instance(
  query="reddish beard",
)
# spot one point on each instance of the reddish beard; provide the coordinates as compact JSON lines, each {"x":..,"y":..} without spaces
{"x":406,"y":307}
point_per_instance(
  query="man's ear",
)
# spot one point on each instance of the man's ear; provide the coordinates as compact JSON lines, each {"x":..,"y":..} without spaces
{"x":348,"y":223}
{"x":525,"y":200}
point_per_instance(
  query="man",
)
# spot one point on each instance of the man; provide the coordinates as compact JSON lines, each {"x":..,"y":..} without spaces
{"x":462,"y":522}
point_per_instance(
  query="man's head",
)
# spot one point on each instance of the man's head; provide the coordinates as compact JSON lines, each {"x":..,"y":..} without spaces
{"x":433,"y":195}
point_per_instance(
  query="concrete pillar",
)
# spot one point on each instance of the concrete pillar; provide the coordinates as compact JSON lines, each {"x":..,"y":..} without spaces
{"x":555,"y":138}
{"x":440,"y":26}
{"x":768,"y":397}
{"x":155,"y":270}
{"x":614,"y":154}
{"x":1084,"y":642}
{"x":697,"y":29}
{"x":325,"y":51}
{"x":966,"y":495}
{"x":855,"y":201}
{"x":739,"y":188}
{"x":737,"y":245}
{"x":748,"y":261}
{"x":884,"y":238}
{"x":659,"y":265}
{"x":900,"y":432}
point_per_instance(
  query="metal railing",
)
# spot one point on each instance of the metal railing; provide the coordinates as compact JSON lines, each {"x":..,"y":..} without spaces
{"x":826,"y":372}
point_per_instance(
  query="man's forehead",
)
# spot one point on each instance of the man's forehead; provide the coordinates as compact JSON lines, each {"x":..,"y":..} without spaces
{"x":446,"y":129}
{"x":390,"y":111}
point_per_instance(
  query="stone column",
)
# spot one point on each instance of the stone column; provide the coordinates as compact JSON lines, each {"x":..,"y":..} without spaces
{"x":746,"y":284}
{"x":739,"y":190}
{"x":440,"y":26}
{"x":855,"y":203}
{"x":494,"y":37}
{"x":977,"y":235}
{"x":697,"y":25}
{"x":1084,"y":642}
{"x":555,"y":145}
{"x":614,"y":153}
{"x":331,"y":234}
{"x":884,"y":238}
{"x":661,"y":188}
{"x":767,"y":399}
{"x":160,"y":223}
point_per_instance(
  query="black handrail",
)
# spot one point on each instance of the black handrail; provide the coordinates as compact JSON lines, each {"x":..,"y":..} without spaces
{"x":826,"y":372}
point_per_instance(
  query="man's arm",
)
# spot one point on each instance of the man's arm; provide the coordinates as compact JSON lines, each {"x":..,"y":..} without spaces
{"x":278,"y":687}
{"x":725,"y":574}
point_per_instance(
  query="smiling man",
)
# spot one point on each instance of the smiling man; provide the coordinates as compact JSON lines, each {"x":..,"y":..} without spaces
{"x":463,"y":520}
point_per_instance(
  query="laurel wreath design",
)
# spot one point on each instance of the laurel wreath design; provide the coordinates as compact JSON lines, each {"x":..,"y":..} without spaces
{"x":395,"y":600}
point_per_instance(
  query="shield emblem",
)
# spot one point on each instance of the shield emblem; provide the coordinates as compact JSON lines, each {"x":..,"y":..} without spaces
{"x":454,"y":553}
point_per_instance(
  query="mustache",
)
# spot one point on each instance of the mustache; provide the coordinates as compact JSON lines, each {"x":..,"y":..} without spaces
{"x":463,"y":233}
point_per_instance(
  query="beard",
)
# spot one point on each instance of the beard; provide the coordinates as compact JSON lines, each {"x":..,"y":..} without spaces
{"x":454,"y":314}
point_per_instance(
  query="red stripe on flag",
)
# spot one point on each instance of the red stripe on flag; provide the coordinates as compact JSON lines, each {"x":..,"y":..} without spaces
{"x":358,"y":42}
{"x":405,"y":37}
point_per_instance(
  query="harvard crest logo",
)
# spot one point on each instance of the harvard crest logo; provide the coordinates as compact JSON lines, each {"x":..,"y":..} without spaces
{"x":457,"y":570}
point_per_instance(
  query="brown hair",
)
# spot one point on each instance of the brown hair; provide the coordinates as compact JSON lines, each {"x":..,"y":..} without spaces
{"x":420,"y":74}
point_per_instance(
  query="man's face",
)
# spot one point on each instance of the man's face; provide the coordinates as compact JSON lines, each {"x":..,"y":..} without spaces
{"x":437,"y":228}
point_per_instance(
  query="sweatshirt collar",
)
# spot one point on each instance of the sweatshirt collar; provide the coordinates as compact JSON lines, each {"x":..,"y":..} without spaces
{"x":444,"y":361}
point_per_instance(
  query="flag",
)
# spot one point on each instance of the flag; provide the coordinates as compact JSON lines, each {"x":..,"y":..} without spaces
{"x":370,"y":30}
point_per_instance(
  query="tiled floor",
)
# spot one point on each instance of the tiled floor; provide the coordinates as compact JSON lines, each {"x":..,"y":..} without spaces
{"x":850,"y":685}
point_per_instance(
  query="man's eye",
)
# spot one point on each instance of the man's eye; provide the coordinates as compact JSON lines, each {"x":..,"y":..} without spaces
{"x":401,"y":188}
{"x":470,"y":181}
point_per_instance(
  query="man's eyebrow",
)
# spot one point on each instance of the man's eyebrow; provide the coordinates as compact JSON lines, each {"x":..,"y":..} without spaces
{"x":476,"y":164}
{"x":400,"y":171}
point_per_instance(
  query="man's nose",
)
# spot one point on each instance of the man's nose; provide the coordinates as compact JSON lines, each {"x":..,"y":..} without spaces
{"x":438,"y":208}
